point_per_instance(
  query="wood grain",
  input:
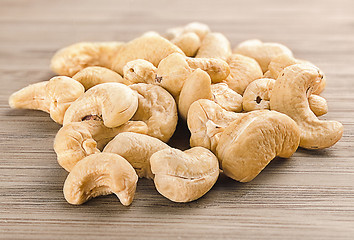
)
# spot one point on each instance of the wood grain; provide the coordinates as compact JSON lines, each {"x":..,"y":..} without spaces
{"x":309,"y":196}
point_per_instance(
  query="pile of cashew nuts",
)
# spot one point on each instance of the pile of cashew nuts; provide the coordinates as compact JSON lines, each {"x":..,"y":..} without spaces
{"x":119,"y":105}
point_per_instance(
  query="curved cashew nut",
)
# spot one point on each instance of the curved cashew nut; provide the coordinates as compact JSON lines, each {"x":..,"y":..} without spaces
{"x":92,"y":76}
{"x":194,"y":27}
{"x":318,"y":105}
{"x":53,"y":96}
{"x":289,"y":96}
{"x":71,"y":59}
{"x":115,"y":103}
{"x":174,"y":70}
{"x":249,"y":143}
{"x":77,"y":140}
{"x":278,"y":63}
{"x":197,"y":86}
{"x":184,"y":176}
{"x":136,"y":149}
{"x":262,"y":52}
{"x":151,"y":47}
{"x":217,"y":69}
{"x":257,"y":97}
{"x":206,"y":120}
{"x":157,"y":108}
{"x":257,"y":94}
{"x":139,"y":71}
{"x":101,"y":174}
{"x":214,"y":45}
{"x":243,"y":70}
{"x":189,"y":43}
{"x":226,"y":97}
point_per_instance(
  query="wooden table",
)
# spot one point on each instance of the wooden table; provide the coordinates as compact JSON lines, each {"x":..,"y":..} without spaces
{"x":309,"y":196}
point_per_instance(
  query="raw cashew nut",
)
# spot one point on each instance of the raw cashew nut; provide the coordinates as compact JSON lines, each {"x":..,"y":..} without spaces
{"x":214,"y":45}
{"x":53,"y":96}
{"x":92,"y":76}
{"x":101,"y":174}
{"x":217,"y":69}
{"x":318,"y":105}
{"x":243,"y":70}
{"x":257,"y":94}
{"x":289,"y":96}
{"x":139,"y":71}
{"x":152,"y":48}
{"x":184,"y":176}
{"x":206,"y":121}
{"x":262,"y":52}
{"x":69,"y":60}
{"x":174,"y":70}
{"x":114,"y":103}
{"x":77,"y":140}
{"x":136,"y":149}
{"x":226,"y":97}
{"x":249,"y":143}
{"x":189,"y":43}
{"x":257,"y":97}
{"x":194,"y":27}
{"x":157,"y":108}
{"x":278,"y":63}
{"x":197,"y":86}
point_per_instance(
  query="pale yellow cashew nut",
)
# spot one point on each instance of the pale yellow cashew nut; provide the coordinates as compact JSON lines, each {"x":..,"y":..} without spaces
{"x":114,"y":103}
{"x":77,"y":140}
{"x":184,"y":176}
{"x":92,"y":76}
{"x":289,"y":96}
{"x":53,"y":96}
{"x":249,"y":143}
{"x":101,"y":174}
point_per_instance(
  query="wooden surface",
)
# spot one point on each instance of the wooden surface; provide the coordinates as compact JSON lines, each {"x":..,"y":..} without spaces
{"x":309,"y":196}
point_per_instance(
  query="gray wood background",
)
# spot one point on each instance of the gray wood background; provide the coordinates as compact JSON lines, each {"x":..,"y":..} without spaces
{"x":309,"y":196}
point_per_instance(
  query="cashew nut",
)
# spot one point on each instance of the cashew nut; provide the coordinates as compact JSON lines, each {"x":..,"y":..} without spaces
{"x":289,"y":96}
{"x":184,"y":176}
{"x":214,"y":45}
{"x":189,"y":43}
{"x":77,"y":140}
{"x":157,"y":108}
{"x":262,"y":52}
{"x":92,"y":76}
{"x":318,"y":105}
{"x":101,"y":174}
{"x":174,"y":70}
{"x":136,"y":149}
{"x":139,"y":71}
{"x":257,"y":96}
{"x":249,"y":143}
{"x":194,"y":27}
{"x":226,"y":97}
{"x":197,"y":86}
{"x":53,"y":96}
{"x":217,"y":69}
{"x":114,"y":103}
{"x":206,"y":121}
{"x":278,"y":63}
{"x":69,"y":60}
{"x":243,"y":70}
{"x":152,"y":48}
